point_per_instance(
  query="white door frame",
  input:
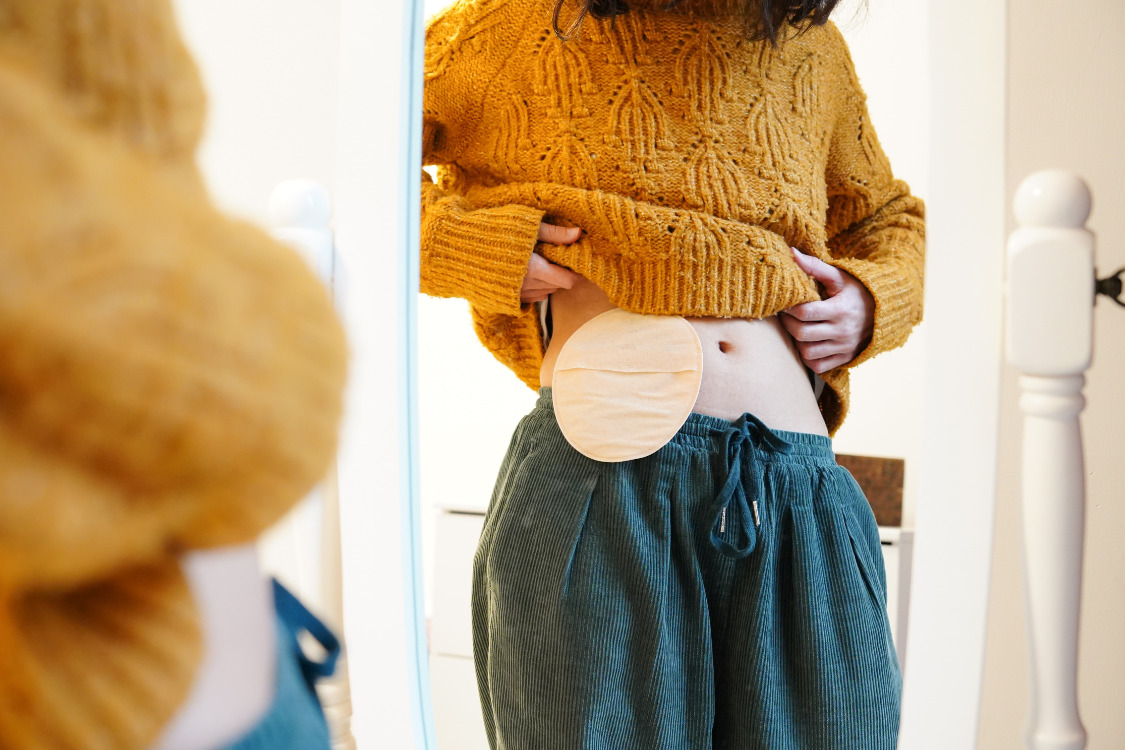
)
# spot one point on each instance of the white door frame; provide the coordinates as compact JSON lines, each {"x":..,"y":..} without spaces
{"x":966,"y":231}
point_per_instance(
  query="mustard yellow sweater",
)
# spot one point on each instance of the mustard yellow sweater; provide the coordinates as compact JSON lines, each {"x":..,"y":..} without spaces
{"x":169,"y":379}
{"x":692,"y":158}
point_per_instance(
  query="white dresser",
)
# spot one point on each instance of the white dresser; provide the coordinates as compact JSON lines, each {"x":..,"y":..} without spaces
{"x":453,"y":682}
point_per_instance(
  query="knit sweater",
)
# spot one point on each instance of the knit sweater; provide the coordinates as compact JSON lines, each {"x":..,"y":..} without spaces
{"x":170,"y":379}
{"x":692,"y":158}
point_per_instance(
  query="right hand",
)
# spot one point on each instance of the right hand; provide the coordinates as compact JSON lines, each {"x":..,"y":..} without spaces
{"x":544,"y":277}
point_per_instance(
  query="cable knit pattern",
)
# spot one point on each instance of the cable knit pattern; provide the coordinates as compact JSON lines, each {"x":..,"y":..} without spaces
{"x":170,"y":379}
{"x":692,"y":158}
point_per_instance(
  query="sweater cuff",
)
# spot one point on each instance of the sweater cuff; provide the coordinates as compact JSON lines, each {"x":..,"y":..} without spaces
{"x":480,"y":255}
{"x":898,"y":303}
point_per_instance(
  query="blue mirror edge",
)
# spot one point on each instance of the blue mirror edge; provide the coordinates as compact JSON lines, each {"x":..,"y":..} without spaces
{"x":410,"y":238}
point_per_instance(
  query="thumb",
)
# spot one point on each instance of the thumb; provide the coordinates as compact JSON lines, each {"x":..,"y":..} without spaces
{"x":556,"y":235}
{"x":830,"y":277}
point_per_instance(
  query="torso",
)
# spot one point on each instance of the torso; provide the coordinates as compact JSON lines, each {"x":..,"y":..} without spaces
{"x":748,"y":365}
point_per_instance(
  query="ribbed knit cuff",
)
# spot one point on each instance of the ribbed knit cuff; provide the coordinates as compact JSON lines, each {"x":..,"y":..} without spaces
{"x":835,"y":399}
{"x":514,"y":340}
{"x":479,"y":255}
{"x":102,"y":667}
{"x":898,"y":303}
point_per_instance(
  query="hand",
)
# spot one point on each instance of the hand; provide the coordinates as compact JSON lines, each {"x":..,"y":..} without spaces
{"x":544,"y":277}
{"x":835,"y":330}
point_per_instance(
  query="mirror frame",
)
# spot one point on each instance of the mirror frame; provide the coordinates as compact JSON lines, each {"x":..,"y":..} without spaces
{"x":377,"y":226}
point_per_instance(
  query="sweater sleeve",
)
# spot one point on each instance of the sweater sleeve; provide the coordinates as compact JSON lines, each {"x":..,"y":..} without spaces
{"x":875,"y":227}
{"x":477,"y":253}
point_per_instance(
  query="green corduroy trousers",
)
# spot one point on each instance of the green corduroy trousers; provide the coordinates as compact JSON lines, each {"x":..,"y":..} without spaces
{"x":725,"y":592}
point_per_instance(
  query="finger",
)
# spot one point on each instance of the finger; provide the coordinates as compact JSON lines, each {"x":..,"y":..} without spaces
{"x":537,"y":297}
{"x":813,"y":332}
{"x":792,"y":325}
{"x":811,"y":351}
{"x":542,"y":270}
{"x":556,"y":235}
{"x":534,"y":281}
{"x":823,"y":365}
{"x":555,"y":275}
{"x":845,"y":311}
{"x":831,"y":277}
{"x":539,"y":288}
{"x":788,"y":322}
{"x":810,"y":312}
{"x":540,"y":292}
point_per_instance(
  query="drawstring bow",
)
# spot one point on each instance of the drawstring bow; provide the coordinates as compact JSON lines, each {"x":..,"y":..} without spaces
{"x":732,"y":505}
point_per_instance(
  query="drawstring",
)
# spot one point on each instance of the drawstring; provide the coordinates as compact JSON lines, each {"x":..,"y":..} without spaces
{"x":748,"y":430}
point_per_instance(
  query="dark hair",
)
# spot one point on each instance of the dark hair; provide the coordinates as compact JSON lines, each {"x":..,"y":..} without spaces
{"x":765,"y":18}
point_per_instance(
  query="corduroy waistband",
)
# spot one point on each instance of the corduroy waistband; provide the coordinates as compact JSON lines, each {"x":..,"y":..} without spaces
{"x":699,"y":431}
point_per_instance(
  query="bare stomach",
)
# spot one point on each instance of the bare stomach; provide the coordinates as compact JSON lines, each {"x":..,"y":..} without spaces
{"x":748,"y":365}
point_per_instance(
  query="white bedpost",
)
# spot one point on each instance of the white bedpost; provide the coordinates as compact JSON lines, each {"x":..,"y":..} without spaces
{"x":299,"y":212}
{"x":1050,"y":342}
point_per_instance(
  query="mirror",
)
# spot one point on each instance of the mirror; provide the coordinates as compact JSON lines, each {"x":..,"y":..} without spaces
{"x":469,"y":400}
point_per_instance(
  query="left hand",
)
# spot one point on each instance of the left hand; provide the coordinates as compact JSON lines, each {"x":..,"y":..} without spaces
{"x":833,"y":331}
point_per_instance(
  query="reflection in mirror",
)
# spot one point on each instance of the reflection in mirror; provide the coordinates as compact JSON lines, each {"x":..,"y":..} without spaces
{"x":597,"y":124}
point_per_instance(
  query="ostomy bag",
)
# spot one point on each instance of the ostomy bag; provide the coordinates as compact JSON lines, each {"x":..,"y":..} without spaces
{"x":624,"y":384}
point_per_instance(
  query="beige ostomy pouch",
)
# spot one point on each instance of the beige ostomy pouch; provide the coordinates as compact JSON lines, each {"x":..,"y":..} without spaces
{"x":624,"y":383}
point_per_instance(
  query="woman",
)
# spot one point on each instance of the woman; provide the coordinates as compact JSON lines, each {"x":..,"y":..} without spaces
{"x":672,"y":557}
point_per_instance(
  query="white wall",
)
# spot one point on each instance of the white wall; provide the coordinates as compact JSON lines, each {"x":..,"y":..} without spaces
{"x":889,"y":41}
{"x":1065,"y":109}
{"x":462,"y":391}
{"x":270,"y":68}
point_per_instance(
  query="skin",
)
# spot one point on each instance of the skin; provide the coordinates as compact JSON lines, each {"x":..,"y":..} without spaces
{"x":833,"y":331}
{"x":827,"y":333}
{"x":544,"y":277}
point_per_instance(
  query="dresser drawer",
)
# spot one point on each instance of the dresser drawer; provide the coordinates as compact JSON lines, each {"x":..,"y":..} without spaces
{"x":455,"y":539}
{"x":457,"y":714}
